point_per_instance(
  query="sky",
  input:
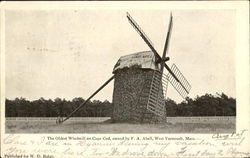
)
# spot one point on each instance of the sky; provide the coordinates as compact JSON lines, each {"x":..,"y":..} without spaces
{"x":71,"y":53}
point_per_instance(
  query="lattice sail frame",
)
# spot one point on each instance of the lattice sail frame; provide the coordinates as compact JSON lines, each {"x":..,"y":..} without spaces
{"x":157,"y":93}
{"x":158,"y":89}
{"x":183,"y":89}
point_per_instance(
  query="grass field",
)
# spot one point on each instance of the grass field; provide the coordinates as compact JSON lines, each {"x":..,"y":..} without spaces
{"x":98,"y":125}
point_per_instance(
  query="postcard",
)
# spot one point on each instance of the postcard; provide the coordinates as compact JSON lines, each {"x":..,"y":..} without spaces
{"x":125,"y":79}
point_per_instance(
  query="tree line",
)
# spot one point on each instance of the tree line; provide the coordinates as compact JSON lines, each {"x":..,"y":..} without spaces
{"x":20,"y":107}
{"x":205,"y":105}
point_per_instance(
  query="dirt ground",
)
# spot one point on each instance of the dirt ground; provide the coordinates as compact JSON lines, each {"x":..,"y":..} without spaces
{"x":50,"y":126}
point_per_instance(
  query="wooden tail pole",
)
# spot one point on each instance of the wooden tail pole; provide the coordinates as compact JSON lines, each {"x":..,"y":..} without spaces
{"x":81,"y":105}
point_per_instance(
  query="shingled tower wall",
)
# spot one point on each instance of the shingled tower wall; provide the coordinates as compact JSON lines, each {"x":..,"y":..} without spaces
{"x":131,"y":93}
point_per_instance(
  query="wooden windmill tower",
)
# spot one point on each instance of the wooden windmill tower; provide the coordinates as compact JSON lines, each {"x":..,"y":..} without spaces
{"x":140,"y":85}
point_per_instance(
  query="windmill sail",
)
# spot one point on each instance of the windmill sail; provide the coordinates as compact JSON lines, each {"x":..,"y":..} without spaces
{"x":182,"y":90}
{"x":139,"y":30}
{"x":167,"y":40}
{"x":168,"y":36}
{"x":157,"y":94}
{"x":158,"y":57}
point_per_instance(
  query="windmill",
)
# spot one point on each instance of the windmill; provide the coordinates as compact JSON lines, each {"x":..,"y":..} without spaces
{"x":140,"y":85}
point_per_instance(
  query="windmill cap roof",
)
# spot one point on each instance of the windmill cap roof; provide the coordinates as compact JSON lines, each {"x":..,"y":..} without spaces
{"x":143,"y":60}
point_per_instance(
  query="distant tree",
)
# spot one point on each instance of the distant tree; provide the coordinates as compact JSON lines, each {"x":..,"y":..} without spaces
{"x":10,"y":108}
{"x":171,"y":107}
